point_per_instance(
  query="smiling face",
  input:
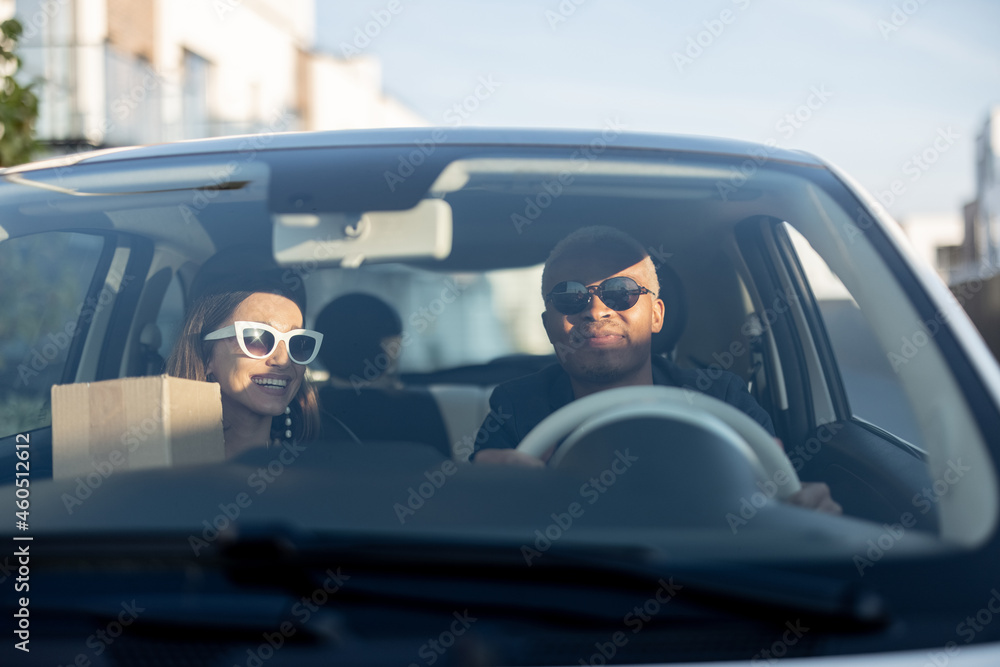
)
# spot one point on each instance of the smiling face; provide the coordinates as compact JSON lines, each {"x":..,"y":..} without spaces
{"x":599,"y":345}
{"x":256,"y":388}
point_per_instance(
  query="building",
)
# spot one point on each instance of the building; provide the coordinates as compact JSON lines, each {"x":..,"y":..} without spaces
{"x":123,"y":72}
{"x":979,"y":256}
{"x":936,"y":240}
{"x":965,"y":246}
{"x":985,"y":211}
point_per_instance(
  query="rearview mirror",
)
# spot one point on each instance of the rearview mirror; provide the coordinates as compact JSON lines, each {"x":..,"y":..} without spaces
{"x":349,"y":239}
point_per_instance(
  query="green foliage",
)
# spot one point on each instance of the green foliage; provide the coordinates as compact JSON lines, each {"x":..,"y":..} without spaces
{"x":43,"y":281}
{"x":40,"y":289}
{"x":18,"y":104}
{"x":23,"y":413}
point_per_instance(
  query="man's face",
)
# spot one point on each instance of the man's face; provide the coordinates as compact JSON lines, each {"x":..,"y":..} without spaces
{"x":601,"y":345}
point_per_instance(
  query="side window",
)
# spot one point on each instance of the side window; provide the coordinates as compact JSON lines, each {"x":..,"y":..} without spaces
{"x":873,"y":388}
{"x":44,"y":279}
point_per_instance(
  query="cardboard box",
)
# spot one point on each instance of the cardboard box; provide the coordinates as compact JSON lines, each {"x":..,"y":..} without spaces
{"x":132,"y":423}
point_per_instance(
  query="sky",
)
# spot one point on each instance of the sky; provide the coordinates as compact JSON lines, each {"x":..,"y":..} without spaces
{"x":867,"y":86}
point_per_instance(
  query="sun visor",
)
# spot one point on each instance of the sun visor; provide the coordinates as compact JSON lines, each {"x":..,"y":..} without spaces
{"x":350,"y":239}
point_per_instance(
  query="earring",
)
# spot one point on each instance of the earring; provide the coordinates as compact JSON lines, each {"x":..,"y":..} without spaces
{"x":288,"y":421}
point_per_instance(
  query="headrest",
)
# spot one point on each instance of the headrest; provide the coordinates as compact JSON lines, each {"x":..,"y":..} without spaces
{"x":676,"y":311}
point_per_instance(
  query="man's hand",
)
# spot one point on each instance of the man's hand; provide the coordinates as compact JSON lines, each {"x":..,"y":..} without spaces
{"x":508,"y":457}
{"x":815,"y":496}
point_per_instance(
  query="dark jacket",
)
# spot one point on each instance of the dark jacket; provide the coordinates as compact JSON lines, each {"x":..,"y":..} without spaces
{"x":520,"y":405}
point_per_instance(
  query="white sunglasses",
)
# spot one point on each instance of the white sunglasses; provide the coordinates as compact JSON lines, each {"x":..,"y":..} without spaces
{"x":259,"y":341}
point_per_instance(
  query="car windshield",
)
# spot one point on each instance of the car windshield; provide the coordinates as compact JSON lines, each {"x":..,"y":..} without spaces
{"x":796,"y":346}
{"x":470,"y":318}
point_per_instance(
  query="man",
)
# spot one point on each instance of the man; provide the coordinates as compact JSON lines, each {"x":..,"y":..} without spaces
{"x":601,"y":311}
{"x":364,"y":384}
{"x":366,"y":353}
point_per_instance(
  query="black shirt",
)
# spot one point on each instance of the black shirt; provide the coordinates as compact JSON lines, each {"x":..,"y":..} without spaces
{"x":520,"y":405}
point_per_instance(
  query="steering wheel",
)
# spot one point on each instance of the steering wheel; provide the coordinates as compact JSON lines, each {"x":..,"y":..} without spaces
{"x":572,"y":422}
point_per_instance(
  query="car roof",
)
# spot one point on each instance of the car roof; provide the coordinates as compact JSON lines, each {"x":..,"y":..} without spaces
{"x":611,"y":136}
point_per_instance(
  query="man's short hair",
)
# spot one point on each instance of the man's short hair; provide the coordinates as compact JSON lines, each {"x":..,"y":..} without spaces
{"x":353,"y":327}
{"x":603,"y":238}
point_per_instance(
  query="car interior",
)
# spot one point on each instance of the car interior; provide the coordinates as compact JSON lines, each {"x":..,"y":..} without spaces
{"x":739,"y":276}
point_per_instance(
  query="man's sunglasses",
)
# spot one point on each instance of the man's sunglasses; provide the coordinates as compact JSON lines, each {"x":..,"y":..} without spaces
{"x":620,"y":293}
{"x":259,"y":341}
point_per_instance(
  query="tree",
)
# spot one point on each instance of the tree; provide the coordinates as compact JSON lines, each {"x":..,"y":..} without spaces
{"x":18,"y":104}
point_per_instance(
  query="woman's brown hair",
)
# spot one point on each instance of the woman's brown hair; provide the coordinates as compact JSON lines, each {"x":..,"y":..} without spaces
{"x":212,"y":308}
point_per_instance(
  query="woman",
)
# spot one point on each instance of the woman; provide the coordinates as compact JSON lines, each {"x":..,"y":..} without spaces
{"x":246,"y":334}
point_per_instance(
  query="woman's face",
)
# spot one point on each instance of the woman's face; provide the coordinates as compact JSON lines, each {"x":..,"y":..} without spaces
{"x":259,"y":386}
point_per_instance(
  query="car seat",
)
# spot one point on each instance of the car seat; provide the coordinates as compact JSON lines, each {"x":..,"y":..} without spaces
{"x":674,"y":298}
